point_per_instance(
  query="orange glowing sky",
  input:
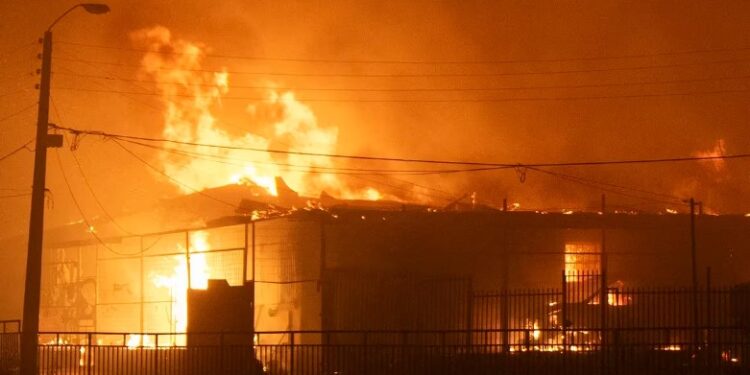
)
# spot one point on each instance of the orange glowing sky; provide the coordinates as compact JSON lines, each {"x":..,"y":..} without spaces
{"x":520,"y":43}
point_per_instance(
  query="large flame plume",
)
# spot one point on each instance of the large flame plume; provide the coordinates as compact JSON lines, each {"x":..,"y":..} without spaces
{"x":191,"y":95}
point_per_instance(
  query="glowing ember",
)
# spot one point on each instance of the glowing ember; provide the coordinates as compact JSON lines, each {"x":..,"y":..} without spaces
{"x":372,"y":194}
{"x":669,"y":348}
{"x":82,"y":358}
{"x":536,"y":332}
{"x":618,"y":299}
{"x":727,"y":356}
{"x":139,"y":341}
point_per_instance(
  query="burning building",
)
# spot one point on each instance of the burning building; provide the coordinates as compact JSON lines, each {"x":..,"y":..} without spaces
{"x":356,"y":266}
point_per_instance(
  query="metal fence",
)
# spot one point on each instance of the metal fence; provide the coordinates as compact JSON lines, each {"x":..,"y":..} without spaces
{"x":665,"y":316}
{"x":574,"y":329}
{"x":399,"y":352}
{"x":9,"y":344}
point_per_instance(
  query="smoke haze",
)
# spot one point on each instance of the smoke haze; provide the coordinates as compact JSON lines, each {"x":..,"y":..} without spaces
{"x":522,"y":43}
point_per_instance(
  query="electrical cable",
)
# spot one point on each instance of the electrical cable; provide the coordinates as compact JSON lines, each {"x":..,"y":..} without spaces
{"x":595,"y":184}
{"x":23,"y":146}
{"x":90,"y":228}
{"x":311,"y":168}
{"x":424,"y":75}
{"x":13,"y":50}
{"x":159,"y":171}
{"x":86,"y":181}
{"x":21,"y":111}
{"x":426,"y":100}
{"x":420,"y":62}
{"x":454,"y":89}
{"x":598,"y":186}
{"x":115,"y":136}
{"x":14,"y":196}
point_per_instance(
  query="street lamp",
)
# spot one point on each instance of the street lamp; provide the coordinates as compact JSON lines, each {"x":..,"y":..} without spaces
{"x":30,"y":330}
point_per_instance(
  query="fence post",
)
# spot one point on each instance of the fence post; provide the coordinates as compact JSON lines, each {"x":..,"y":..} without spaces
{"x":156,"y":353}
{"x":89,"y":359}
{"x":2,"y":342}
{"x":709,"y":325}
{"x":564,"y":313}
{"x":696,"y":322}
{"x":527,"y":339}
{"x":221,"y":352}
{"x":469,"y":314}
{"x":291,"y":353}
{"x":505,"y":312}
{"x":604,"y":291}
{"x":365,"y":364}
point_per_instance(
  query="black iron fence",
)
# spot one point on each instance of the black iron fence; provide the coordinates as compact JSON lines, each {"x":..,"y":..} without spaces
{"x":627,"y":351}
{"x":9,"y":344}
{"x":576,"y":310}
{"x":575,"y":329}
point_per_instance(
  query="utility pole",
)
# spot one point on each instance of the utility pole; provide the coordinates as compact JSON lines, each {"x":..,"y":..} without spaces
{"x":32,"y":286}
{"x":36,"y":222}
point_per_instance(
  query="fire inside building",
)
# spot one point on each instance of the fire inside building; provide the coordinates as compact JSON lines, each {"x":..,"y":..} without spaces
{"x":348,"y":272}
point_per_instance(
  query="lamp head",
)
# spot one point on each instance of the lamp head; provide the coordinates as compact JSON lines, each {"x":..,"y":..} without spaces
{"x":95,"y":8}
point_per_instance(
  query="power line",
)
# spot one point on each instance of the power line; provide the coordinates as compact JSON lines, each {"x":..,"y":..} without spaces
{"x":14,"y":114}
{"x":273,"y":151}
{"x":13,"y":50}
{"x":421,"y":75}
{"x":138,"y":101}
{"x":423,"y":100}
{"x":96,"y":199}
{"x":16,"y":77}
{"x":450,"y":197}
{"x":309,"y":168}
{"x":334,"y":171}
{"x":115,"y":136}
{"x":89,"y":227}
{"x":612,"y":188}
{"x":452,"y":89}
{"x":15,"y":196}
{"x":415,"y":62}
{"x":21,"y":147}
{"x":88,"y":185}
{"x":14,"y":93}
{"x":352,"y":175}
{"x":159,"y":171}
{"x":349,"y":172}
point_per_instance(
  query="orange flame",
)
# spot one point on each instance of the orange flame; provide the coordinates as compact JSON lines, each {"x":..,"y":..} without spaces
{"x":177,"y":282}
{"x":719,"y":149}
{"x":192,"y":93}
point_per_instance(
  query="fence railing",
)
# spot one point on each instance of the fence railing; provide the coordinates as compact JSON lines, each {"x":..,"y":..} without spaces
{"x":722,"y":350}
{"x":9,"y":344}
{"x":575,"y":329}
